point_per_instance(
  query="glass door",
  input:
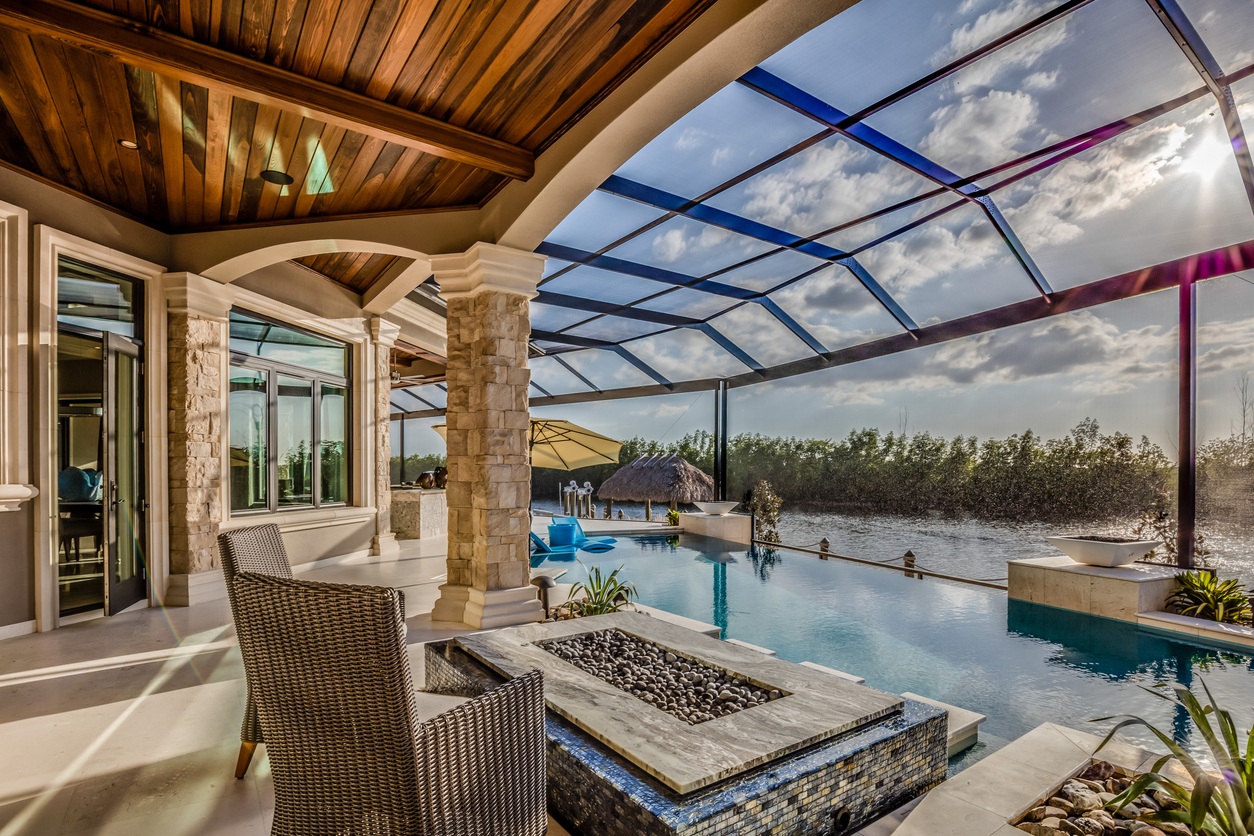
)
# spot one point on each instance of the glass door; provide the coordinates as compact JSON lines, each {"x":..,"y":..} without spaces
{"x":126,"y":576}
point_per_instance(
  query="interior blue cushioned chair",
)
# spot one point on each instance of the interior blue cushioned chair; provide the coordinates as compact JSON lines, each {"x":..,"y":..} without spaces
{"x":583,"y":541}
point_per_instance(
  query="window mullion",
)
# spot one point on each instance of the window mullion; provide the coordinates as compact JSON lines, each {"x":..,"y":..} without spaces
{"x":315,"y":452}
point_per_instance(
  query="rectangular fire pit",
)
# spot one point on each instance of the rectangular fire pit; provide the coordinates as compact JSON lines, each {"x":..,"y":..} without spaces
{"x":823,"y":756}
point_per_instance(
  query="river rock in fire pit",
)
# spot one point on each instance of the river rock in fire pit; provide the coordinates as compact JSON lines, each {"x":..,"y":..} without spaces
{"x":688,"y":689}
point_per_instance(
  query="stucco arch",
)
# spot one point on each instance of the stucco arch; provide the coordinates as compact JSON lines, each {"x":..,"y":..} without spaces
{"x":224,"y":255}
{"x":249,"y":262}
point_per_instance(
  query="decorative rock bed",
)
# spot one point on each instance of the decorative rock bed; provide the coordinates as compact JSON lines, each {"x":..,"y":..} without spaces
{"x":1079,"y":808}
{"x":683,"y":687}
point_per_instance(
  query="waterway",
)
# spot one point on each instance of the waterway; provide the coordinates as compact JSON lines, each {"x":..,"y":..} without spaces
{"x":964,"y":546}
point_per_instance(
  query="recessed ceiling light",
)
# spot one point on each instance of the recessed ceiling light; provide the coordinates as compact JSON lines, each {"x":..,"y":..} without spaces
{"x":128,"y":144}
{"x":278,"y":178}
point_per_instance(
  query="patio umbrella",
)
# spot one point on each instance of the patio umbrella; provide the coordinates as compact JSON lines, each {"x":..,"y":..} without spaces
{"x":562,"y":445}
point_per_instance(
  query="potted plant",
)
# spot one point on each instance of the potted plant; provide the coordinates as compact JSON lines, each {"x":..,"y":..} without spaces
{"x":1099,"y":550}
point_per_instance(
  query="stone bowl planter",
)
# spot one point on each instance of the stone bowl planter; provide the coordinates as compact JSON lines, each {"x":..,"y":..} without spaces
{"x":716,"y":509}
{"x":1103,"y":552}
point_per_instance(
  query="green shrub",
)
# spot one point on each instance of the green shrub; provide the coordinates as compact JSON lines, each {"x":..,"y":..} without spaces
{"x":1216,"y":805}
{"x":601,"y":593}
{"x":764,"y":504}
{"x":1202,"y":595}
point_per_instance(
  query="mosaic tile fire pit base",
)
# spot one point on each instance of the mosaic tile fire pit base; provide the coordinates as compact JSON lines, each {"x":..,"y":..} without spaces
{"x":831,"y":787}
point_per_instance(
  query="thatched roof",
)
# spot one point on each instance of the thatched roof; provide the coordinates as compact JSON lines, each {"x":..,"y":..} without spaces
{"x":658,"y":478}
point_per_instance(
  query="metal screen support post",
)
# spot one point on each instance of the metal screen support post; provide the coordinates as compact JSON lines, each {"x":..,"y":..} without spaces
{"x":720,"y":441}
{"x":1186,"y":469}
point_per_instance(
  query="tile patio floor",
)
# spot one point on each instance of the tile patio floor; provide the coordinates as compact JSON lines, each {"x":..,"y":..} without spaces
{"x":130,"y":725}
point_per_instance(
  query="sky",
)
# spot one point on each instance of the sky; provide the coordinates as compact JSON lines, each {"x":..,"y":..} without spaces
{"x":1165,"y":189}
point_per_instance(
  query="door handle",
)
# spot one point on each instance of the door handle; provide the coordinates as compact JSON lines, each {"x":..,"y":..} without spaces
{"x":113,"y":494}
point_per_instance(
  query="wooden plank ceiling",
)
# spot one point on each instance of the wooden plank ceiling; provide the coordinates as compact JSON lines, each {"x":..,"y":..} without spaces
{"x":508,"y":76}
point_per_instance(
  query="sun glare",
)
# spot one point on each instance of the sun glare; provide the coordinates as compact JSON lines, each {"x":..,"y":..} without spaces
{"x":1207,"y":157}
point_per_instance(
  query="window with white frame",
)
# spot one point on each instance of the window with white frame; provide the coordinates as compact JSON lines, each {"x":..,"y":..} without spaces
{"x":288,"y":416}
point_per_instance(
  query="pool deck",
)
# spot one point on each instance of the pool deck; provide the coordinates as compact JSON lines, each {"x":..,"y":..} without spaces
{"x":130,"y":724}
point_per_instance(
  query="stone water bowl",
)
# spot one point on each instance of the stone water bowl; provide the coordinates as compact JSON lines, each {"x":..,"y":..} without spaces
{"x":716,"y":509}
{"x":1109,"y":552}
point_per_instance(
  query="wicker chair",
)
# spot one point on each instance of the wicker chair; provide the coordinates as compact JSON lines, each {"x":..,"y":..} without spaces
{"x":328,"y":667}
{"x":260,"y":550}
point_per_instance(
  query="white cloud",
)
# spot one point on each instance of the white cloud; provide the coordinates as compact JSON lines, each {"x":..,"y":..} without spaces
{"x":1041,"y":81}
{"x":960,"y":240}
{"x":990,"y":26}
{"x":972,"y":132}
{"x":1092,"y":353}
{"x":670,"y":245}
{"x":826,"y":185}
{"x":1090,"y":185}
{"x":687,"y":239}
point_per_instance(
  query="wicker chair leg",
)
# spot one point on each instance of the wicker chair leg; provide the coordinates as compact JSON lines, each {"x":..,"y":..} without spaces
{"x":246,"y":750}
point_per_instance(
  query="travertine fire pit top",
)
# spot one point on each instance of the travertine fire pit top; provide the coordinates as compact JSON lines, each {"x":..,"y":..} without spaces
{"x":682,"y":756}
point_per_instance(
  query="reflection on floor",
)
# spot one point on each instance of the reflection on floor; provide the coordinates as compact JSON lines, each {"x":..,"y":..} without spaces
{"x":131,"y":724}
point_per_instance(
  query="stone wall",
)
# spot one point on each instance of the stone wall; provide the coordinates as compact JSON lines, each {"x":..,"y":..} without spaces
{"x":383,"y":335}
{"x":418,"y":515}
{"x":195,"y":432}
{"x":489,"y":488}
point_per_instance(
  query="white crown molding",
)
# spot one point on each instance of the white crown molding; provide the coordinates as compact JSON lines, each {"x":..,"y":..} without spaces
{"x":486,"y":267}
{"x":383,"y":332}
{"x":194,"y":294}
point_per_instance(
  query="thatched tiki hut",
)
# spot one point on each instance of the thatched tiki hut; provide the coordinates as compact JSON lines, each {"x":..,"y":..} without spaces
{"x":658,"y":478}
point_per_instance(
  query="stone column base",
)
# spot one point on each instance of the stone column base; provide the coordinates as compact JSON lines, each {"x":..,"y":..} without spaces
{"x":486,"y":609}
{"x":384,"y":544}
{"x":451,"y":605}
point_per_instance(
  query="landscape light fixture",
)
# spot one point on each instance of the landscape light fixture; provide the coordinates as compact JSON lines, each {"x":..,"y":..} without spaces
{"x":278,"y":178}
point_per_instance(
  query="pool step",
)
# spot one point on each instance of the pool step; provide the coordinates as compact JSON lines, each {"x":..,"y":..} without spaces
{"x":856,"y":680}
{"x":765,"y":651}
{"x":964,"y":726}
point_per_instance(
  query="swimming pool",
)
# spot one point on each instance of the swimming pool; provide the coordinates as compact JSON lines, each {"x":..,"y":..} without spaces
{"x":1021,"y":664}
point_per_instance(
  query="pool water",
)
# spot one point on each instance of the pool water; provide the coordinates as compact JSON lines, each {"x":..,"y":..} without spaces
{"x":1021,"y":664}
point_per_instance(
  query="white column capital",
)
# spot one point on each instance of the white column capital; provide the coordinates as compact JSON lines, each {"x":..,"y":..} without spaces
{"x":488,"y":267}
{"x":383,"y":332}
{"x":194,"y":294}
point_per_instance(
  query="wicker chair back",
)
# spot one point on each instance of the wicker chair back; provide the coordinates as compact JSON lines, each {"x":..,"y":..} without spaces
{"x":258,"y":549}
{"x":328,"y":666}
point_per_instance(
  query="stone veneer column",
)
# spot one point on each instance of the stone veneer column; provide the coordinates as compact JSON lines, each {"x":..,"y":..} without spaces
{"x":383,"y":336}
{"x":489,"y":489}
{"x":197,"y":348}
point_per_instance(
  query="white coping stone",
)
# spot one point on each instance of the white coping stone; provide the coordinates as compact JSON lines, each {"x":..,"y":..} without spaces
{"x":1203,"y":628}
{"x":857,"y":680}
{"x":766,"y":651}
{"x":681,"y":621}
{"x":964,"y":726}
{"x":983,"y":799}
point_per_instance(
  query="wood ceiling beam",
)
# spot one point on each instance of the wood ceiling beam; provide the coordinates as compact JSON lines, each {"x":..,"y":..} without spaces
{"x":167,"y":54}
